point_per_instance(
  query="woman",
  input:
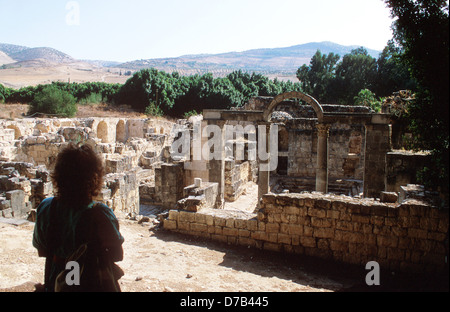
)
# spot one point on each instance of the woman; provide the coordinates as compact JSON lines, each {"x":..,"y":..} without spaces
{"x":71,"y":218}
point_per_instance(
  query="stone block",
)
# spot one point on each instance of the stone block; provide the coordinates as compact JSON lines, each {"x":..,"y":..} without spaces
{"x":319,"y":213}
{"x":197,"y":227}
{"x":173,"y":214}
{"x":284,"y":239}
{"x":187,"y":216}
{"x":252,"y":225}
{"x":18,"y":204}
{"x":388,"y":197}
{"x":183,"y":225}
{"x":230,"y":231}
{"x":295,"y":229}
{"x":243,"y":233}
{"x":333,"y":214}
{"x":308,"y":241}
{"x":170,"y":224}
{"x":344,"y":225}
{"x":323,"y":203}
{"x":387,"y":241}
{"x":200,"y":218}
{"x":417,"y":233}
{"x":272,"y":227}
{"x":4,"y":203}
{"x":360,"y":218}
{"x":323,"y":232}
{"x":319,"y":222}
{"x":7,"y":213}
{"x":209,"y":220}
{"x":240,"y":223}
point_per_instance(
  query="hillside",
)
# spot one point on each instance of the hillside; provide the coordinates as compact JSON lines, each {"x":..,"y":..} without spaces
{"x":5,"y":58}
{"x":11,"y":48}
{"x":21,"y":66}
{"x":48,"y":54}
{"x":270,"y":61}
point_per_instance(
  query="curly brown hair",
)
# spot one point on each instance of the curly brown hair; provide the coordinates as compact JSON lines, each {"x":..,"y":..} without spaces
{"x":78,"y":175}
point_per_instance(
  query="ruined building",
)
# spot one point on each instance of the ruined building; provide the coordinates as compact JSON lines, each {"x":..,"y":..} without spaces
{"x":338,"y":191}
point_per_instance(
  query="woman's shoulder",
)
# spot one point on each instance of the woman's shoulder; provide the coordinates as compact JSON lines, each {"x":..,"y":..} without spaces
{"x":43,"y":206}
{"x":46,"y":202}
{"x":105,"y":210}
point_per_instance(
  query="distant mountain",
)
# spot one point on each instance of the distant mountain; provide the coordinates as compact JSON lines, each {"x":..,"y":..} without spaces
{"x":277,"y":60}
{"x":101,"y":63}
{"x":11,"y":48}
{"x":25,"y":54}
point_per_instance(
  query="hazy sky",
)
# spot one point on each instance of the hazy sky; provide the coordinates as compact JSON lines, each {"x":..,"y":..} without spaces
{"x":124,"y":30}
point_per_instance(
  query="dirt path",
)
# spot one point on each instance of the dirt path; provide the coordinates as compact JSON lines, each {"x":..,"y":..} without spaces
{"x":160,"y":261}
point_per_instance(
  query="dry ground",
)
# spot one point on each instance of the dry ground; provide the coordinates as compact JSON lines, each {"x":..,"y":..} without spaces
{"x":159,"y":261}
{"x":43,"y":74}
{"x":13,"y":111}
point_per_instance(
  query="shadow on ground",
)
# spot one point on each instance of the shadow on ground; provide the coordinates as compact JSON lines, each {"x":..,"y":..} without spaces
{"x":312,"y":271}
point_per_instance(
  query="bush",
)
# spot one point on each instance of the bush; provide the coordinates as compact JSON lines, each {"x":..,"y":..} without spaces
{"x":367,"y":98}
{"x":53,"y":101}
{"x":190,"y":114}
{"x":93,"y":98}
{"x":4,"y":93}
{"x":154,"y":110}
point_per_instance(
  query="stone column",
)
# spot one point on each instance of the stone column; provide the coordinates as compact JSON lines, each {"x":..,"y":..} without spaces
{"x":217,"y":164}
{"x":378,"y":144}
{"x":263,"y":175}
{"x":322,"y":158}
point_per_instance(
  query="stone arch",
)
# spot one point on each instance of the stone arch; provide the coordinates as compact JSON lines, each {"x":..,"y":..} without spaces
{"x":102,"y":131}
{"x":322,"y":136}
{"x":121,"y":132}
{"x":297,"y":95}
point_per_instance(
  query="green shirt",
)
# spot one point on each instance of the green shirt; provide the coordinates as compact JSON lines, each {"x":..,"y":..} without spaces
{"x":58,"y":240}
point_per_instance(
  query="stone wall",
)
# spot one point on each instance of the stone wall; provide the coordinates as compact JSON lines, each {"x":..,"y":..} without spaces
{"x":22,"y":188}
{"x":345,"y":150}
{"x":401,"y":168}
{"x":129,"y":148}
{"x":408,"y":237}
{"x":236,"y":176}
{"x":121,"y":191}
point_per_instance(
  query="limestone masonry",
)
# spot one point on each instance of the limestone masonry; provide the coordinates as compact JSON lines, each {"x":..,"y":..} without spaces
{"x":339,"y":191}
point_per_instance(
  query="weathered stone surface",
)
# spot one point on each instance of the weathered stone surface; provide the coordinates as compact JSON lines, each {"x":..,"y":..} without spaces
{"x":350,"y":230}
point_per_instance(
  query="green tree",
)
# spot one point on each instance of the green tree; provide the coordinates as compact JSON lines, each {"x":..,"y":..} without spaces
{"x":392,"y":74}
{"x":150,"y":86}
{"x":316,"y":78}
{"x":54,"y":101}
{"x":356,"y":72}
{"x":421,"y":28}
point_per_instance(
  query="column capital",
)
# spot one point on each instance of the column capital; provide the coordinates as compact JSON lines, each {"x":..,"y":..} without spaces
{"x":324,"y":129}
